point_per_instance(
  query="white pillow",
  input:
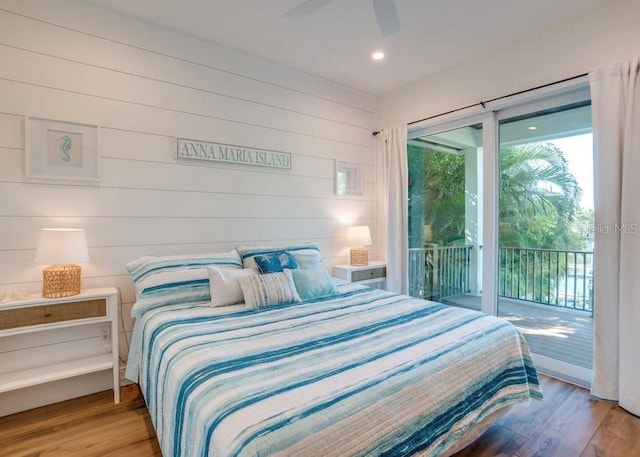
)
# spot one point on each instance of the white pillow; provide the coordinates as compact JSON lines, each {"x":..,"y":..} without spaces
{"x":225,"y":288}
{"x":268,"y":289}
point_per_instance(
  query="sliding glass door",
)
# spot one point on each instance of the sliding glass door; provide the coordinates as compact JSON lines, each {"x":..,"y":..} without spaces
{"x":545,"y":244}
{"x":501,"y":220}
{"x":445,"y":216}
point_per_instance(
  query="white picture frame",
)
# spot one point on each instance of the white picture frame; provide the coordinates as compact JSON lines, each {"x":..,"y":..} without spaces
{"x":60,"y":150}
{"x":348,"y":178}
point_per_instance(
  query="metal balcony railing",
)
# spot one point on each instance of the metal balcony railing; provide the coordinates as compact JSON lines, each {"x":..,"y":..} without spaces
{"x":544,"y":276}
{"x":437,"y":272}
{"x":547,"y":276}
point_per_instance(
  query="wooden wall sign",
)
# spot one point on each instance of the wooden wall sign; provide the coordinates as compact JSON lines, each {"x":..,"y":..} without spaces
{"x":218,"y":152}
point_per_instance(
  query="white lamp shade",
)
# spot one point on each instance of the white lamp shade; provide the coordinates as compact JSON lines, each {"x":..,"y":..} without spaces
{"x":62,"y":246}
{"x":359,"y":235}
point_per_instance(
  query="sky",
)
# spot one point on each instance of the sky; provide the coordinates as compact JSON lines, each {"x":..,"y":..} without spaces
{"x":579,"y":153}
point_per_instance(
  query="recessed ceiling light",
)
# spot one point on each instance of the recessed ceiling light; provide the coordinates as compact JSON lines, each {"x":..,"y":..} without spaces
{"x":533,"y":128}
{"x":378,"y":55}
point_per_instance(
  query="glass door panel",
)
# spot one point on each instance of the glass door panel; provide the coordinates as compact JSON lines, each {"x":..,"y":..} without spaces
{"x":545,"y":242}
{"x":445,"y":216}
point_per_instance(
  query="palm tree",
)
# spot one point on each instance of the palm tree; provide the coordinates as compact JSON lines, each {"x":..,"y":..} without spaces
{"x":538,"y":204}
{"x":539,"y":200}
{"x":538,"y":197}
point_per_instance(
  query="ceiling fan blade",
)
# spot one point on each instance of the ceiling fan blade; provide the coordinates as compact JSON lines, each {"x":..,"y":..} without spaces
{"x":387,"y":16}
{"x":305,"y":8}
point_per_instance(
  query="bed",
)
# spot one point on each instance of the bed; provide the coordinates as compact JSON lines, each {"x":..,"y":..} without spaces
{"x":359,"y":371}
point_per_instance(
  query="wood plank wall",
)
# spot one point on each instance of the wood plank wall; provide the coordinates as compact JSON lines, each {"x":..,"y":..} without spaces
{"x":146,"y":85}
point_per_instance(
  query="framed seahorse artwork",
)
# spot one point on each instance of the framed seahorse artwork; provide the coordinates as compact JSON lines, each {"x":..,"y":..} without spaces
{"x":60,"y":150}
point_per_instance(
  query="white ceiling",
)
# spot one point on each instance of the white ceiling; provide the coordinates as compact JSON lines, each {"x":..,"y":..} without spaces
{"x":336,"y":40}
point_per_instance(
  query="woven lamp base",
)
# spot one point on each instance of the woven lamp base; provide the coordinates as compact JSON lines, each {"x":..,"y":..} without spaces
{"x":60,"y":281}
{"x":359,"y":257}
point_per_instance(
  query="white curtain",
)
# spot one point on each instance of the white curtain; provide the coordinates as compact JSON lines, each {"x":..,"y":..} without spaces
{"x":391,"y":152}
{"x":615,"y":94}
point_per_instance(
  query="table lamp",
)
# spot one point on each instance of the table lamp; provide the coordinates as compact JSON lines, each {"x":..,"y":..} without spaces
{"x":359,"y":237}
{"x":61,"y":249}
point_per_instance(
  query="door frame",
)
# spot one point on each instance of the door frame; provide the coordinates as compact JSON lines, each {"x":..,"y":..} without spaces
{"x":490,"y":115}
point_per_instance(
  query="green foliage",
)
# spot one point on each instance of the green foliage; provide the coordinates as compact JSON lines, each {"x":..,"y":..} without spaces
{"x":444,"y":195}
{"x":538,"y":197}
{"x":538,"y":209}
{"x":416,"y":207}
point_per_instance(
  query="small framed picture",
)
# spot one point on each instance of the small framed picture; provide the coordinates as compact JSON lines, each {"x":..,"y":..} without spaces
{"x":348,"y":178}
{"x":60,"y":150}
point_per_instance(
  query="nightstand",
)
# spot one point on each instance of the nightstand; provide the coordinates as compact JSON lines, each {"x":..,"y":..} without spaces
{"x":372,"y":275}
{"x":29,"y":329}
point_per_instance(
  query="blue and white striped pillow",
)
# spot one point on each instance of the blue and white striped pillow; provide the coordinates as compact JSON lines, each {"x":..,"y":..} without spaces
{"x":306,"y":255}
{"x":268,"y":289}
{"x":169,"y":280}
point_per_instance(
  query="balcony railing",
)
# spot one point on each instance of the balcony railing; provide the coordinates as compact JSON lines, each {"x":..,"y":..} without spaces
{"x":544,"y":276}
{"x":437,"y":272}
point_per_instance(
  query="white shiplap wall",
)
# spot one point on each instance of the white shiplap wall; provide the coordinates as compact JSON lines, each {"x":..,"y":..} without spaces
{"x":145,"y":85}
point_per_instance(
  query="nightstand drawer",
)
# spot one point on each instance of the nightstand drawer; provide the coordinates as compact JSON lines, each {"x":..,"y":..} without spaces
{"x":49,"y":314}
{"x":370,"y":273}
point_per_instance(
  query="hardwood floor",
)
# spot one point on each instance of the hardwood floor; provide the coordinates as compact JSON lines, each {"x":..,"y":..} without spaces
{"x":569,"y":422}
{"x":83,"y":427}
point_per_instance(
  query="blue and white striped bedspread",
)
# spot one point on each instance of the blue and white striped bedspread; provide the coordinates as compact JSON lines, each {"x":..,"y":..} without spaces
{"x":367,"y":373}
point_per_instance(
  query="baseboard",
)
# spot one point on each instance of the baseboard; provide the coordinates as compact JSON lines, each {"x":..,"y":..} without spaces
{"x":567,"y":372}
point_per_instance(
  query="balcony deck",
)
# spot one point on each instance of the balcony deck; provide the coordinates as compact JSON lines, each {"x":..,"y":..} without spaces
{"x":563,"y":334}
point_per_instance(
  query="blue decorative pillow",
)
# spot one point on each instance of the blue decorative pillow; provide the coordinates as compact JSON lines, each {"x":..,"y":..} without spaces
{"x":306,"y":255}
{"x":313,"y":283}
{"x":275,"y":262}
